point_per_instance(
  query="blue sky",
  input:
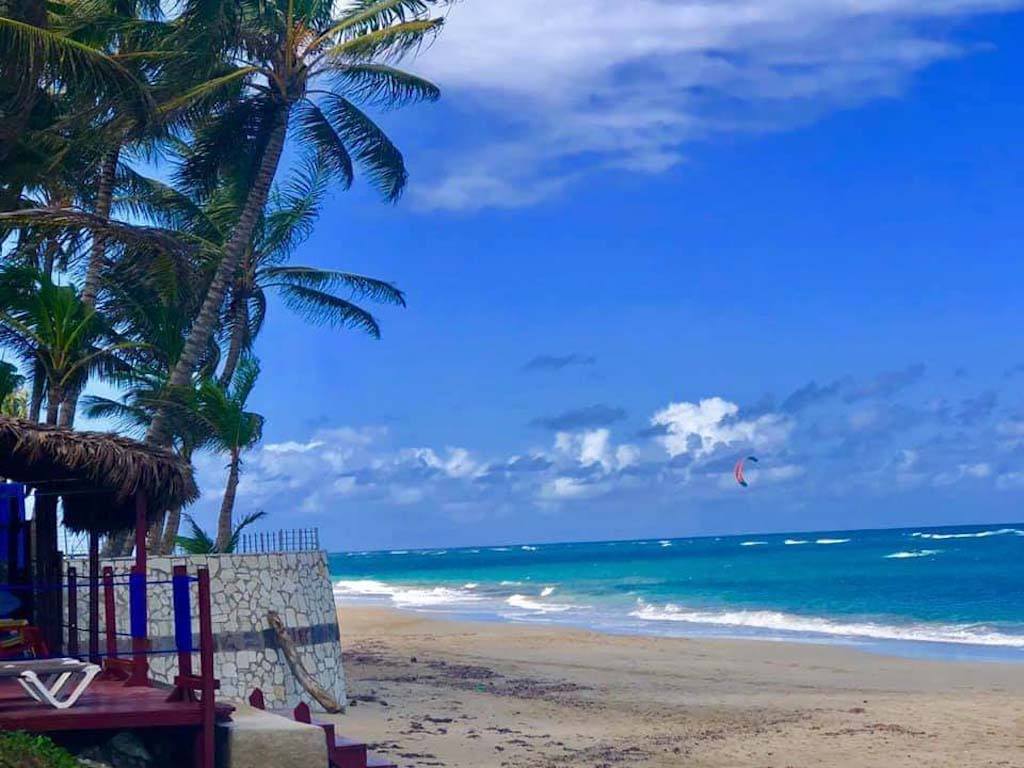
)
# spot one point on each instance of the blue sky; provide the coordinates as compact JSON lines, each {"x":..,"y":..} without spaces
{"x":641,"y":240}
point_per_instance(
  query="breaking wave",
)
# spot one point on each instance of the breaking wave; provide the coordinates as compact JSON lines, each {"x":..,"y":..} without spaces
{"x":975,"y":535}
{"x":913,"y":553}
{"x":970,"y":634}
{"x":525,"y":603}
{"x":403,"y":596}
{"x":831,"y":541}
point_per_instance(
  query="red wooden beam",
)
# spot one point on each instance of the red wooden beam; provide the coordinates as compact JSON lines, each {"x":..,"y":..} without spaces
{"x":206,"y":651}
{"x":94,"y":597}
{"x":110,"y":612}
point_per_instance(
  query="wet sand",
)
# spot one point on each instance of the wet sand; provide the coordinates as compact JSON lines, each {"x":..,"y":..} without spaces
{"x":433,"y":692}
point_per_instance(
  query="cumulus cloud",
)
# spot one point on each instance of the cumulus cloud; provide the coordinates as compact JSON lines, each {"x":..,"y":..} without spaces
{"x":572,"y":87}
{"x":701,"y":428}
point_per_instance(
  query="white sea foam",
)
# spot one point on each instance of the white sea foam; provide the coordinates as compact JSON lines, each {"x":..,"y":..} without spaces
{"x":402,"y":596}
{"x":399,"y":552}
{"x":547,"y":591}
{"x":752,"y":543}
{"x":777,"y":621}
{"x":470,"y":585}
{"x":529,"y":604}
{"x":499,"y":549}
{"x":511,"y":583}
{"x":974,"y":535}
{"x":912,"y":553}
{"x":665,"y":543}
{"x":527,"y":548}
{"x":796,"y":541}
{"x":830,"y":541}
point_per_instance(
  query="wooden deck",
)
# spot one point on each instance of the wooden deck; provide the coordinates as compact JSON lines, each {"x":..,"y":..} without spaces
{"x":106,"y":705}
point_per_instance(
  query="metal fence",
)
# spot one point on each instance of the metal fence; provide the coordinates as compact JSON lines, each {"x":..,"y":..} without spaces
{"x":292,"y":540}
{"x":266,"y":542}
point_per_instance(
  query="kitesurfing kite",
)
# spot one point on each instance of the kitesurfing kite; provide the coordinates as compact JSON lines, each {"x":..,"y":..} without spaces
{"x":738,"y":470}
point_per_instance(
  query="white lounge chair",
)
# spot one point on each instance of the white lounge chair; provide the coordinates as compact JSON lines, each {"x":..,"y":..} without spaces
{"x":44,"y":679}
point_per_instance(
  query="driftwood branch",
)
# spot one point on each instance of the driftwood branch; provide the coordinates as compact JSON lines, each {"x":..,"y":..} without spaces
{"x":291,"y":655}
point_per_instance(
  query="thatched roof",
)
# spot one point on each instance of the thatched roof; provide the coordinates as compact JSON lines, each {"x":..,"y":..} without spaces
{"x":96,"y":473}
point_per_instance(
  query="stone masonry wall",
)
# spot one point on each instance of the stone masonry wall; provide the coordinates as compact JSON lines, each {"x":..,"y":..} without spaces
{"x":243,"y":589}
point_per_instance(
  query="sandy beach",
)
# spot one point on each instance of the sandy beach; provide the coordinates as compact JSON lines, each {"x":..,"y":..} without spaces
{"x":433,"y":692}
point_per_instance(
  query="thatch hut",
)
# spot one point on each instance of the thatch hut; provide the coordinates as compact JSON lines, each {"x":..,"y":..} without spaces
{"x":108,"y":483}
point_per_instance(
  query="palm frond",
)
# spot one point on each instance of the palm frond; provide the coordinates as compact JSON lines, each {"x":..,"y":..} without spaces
{"x":319,"y":137}
{"x":71,"y":62}
{"x":293,"y":213}
{"x":71,"y":219}
{"x":382,"y":86}
{"x":374,"y":151}
{"x":199,"y":543}
{"x":321,"y":308}
{"x":391,"y":43}
{"x":245,"y":522}
{"x":365,"y":16}
{"x":360,"y":286}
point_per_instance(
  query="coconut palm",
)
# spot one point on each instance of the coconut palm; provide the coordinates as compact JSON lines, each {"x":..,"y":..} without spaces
{"x":48,"y":326}
{"x":300,"y":66}
{"x":321,"y":296}
{"x":232,"y":430}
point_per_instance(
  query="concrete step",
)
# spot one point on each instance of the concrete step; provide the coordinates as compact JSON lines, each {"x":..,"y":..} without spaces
{"x":257,"y":739}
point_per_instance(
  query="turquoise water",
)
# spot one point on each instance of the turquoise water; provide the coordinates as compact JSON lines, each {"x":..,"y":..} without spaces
{"x":950,"y":592}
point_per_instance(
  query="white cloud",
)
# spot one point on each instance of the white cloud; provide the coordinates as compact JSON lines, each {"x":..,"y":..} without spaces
{"x":700,"y":428}
{"x":565,"y":488}
{"x":564,"y":88}
{"x":594,"y":447}
{"x":978,"y":471}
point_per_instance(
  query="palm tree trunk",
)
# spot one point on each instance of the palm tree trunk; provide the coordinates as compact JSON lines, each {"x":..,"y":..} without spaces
{"x":53,"y":399}
{"x":98,"y":253}
{"x":206,"y":321}
{"x":234,"y":351}
{"x":227,"y":506}
{"x":170,"y":534}
{"x":97,"y":257}
{"x":38,"y":388}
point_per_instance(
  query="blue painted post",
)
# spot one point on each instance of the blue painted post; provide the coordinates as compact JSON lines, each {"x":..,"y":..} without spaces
{"x":182,"y":619}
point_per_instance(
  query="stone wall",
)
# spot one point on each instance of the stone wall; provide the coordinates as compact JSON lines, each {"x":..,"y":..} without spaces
{"x":243,"y":588}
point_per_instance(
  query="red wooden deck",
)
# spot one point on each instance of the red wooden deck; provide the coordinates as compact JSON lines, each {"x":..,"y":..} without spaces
{"x":107,"y":704}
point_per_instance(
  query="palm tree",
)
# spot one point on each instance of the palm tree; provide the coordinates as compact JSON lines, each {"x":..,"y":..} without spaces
{"x":10,"y":380}
{"x":298,"y":65}
{"x":321,"y":296}
{"x":232,"y":429}
{"x":200,"y":542}
{"x":48,"y":326}
{"x":13,"y":398}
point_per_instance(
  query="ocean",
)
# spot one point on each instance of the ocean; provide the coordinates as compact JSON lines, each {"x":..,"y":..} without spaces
{"x":955,"y":592}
